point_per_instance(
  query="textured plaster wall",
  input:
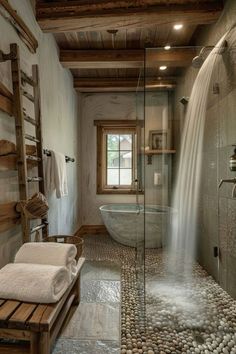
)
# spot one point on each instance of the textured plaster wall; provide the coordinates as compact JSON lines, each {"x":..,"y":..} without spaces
{"x":118,"y":106}
{"x":217,"y":208}
{"x":59,"y":125}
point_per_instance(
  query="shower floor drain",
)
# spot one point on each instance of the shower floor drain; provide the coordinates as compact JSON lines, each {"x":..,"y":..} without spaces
{"x":199,"y":339}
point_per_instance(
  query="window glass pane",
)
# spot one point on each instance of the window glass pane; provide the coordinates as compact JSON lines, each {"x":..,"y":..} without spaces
{"x":126,"y":142}
{"x":125,"y":176}
{"x":112,"y":159}
{"x":119,"y":159}
{"x":112,"y":141}
{"x":125,"y":159}
{"x":112,"y":176}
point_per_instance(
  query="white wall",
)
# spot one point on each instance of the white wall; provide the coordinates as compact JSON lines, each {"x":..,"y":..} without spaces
{"x":99,"y":106}
{"x":116,"y":106}
{"x":59,"y":125}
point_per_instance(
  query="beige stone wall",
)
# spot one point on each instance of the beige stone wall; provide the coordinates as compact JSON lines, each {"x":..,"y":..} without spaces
{"x":217,"y":209}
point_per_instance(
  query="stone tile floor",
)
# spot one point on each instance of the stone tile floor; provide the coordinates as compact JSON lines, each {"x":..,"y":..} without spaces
{"x":194,"y":316}
{"x":73,"y":346}
{"x":187,"y":314}
{"x":94,"y":326}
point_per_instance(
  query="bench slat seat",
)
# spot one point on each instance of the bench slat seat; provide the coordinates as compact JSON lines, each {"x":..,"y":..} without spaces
{"x":35,"y":322}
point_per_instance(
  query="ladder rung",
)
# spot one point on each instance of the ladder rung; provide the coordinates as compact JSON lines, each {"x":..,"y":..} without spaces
{"x":29,"y":119}
{"x":34,"y":179}
{"x":31,"y":138}
{"x":27,"y":79}
{"x":36,"y":228}
{"x":34,"y":158}
{"x":28,"y":95}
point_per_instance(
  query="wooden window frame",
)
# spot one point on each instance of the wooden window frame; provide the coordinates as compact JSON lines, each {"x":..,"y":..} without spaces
{"x":118,"y":126}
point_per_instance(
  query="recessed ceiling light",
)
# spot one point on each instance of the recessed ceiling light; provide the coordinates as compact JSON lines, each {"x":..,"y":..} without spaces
{"x":163,"y":67}
{"x":167,"y":47}
{"x":178,"y":26}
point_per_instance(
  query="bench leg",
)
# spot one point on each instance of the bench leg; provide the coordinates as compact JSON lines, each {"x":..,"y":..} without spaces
{"x":44,"y":343}
{"x":34,"y":343}
{"x":77,"y":292}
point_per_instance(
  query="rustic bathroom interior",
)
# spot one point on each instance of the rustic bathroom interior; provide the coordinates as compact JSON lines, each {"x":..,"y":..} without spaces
{"x":117,"y":177}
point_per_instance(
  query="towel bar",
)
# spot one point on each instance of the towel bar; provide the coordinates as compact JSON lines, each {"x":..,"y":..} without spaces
{"x":37,"y":228}
{"x":67,"y":158}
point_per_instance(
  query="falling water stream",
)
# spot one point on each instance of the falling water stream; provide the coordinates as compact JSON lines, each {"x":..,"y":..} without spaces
{"x":182,"y":244}
{"x":177,"y":288}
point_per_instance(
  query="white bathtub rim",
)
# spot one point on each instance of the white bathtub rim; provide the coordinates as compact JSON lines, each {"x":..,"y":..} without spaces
{"x":163,"y":209}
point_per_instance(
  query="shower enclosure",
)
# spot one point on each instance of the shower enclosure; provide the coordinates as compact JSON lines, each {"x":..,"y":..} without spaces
{"x":162,"y":99}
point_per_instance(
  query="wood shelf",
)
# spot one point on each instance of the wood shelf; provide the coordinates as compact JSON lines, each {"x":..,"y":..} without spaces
{"x":159,"y":152}
{"x":8,"y":155}
{"x":6,"y":99}
{"x":9,"y":217}
{"x":9,"y":163}
{"x":151,"y":153}
{"x":19,"y":26}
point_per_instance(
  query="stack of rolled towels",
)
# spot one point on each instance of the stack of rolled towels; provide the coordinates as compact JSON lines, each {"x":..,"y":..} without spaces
{"x":41,"y":273}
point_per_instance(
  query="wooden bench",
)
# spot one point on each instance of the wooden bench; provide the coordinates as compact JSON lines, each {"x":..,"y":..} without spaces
{"x":35,"y":326}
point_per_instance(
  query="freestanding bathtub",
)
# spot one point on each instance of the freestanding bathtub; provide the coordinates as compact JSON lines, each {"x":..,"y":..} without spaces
{"x":125,"y":223}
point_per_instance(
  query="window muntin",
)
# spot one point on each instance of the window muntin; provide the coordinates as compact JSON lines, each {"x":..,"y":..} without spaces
{"x":117,"y":143}
{"x":119,"y":160}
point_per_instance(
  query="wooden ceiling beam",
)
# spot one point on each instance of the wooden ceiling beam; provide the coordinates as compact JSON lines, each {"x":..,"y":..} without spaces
{"x":77,"y":15}
{"x":121,"y":84}
{"x":176,"y":57}
{"x":102,"y":59}
{"x":117,"y":59}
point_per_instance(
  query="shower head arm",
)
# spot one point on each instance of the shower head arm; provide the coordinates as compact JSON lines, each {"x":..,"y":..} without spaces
{"x":199,"y":59}
{"x":229,"y":180}
{"x":208,"y":47}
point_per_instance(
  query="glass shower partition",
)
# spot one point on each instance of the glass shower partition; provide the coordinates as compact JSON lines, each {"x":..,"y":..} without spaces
{"x":140,"y":197}
{"x":170,"y":76}
{"x":166,"y":99}
{"x":159,"y":147}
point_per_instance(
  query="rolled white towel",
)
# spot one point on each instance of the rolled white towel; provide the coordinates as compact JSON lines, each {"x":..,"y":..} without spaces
{"x":59,"y":254}
{"x":33,"y":282}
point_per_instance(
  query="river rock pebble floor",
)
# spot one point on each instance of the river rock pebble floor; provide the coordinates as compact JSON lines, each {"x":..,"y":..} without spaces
{"x":171,"y":316}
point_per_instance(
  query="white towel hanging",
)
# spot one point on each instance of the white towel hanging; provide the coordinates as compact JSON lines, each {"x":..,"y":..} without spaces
{"x":56,"y":174}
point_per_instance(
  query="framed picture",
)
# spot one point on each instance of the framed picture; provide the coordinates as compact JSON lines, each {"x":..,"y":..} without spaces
{"x":158,"y":139}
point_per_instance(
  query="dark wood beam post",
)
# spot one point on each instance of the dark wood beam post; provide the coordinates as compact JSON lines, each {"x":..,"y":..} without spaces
{"x":94,"y":59}
{"x":120,"y":85}
{"x":116,"y":59}
{"x":77,"y":15}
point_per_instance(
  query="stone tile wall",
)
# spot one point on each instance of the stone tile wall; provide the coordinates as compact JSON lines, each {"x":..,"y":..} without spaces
{"x":217,"y":208}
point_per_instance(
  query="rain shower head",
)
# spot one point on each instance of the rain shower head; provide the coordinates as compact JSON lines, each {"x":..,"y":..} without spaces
{"x":184,"y":100}
{"x":199,"y":59}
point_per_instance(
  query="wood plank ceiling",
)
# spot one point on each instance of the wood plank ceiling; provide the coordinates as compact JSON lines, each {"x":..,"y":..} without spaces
{"x":103,"y":42}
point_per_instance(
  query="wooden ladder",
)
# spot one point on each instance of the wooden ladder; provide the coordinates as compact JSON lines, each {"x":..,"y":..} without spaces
{"x":20,"y":82}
